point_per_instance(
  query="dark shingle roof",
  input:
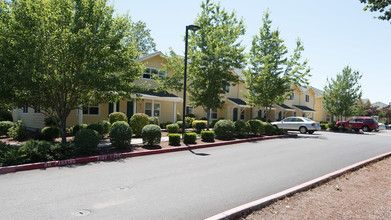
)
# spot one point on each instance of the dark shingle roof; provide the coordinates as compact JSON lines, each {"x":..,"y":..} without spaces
{"x":237,"y":101}
{"x":285,"y":106}
{"x":158,"y":94}
{"x":304,"y":108}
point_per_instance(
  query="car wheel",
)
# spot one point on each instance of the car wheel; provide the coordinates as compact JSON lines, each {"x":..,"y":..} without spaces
{"x":365,"y":129}
{"x":275,"y":127}
{"x":311,"y":132}
{"x":303,"y":130}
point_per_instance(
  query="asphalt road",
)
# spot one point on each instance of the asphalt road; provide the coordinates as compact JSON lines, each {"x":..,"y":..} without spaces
{"x":182,"y":185}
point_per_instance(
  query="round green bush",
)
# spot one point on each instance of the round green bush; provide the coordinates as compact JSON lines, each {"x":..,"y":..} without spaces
{"x":18,"y":131}
{"x":163,"y":125}
{"x":51,"y":121}
{"x":151,"y":135}
{"x":173,"y":128}
{"x":199,"y":125}
{"x":36,"y":151}
{"x":331,"y":125}
{"x":137,"y":122}
{"x":212,"y":123}
{"x":50,"y":133}
{"x":106,"y":126}
{"x":9,"y":155}
{"x":180,"y":124}
{"x":4,"y":126}
{"x":62,"y":151}
{"x":208,"y":136}
{"x":117,"y":116}
{"x":153,"y":120}
{"x":174,"y":139}
{"x":189,"y":138}
{"x":242,"y":128}
{"x":76,"y":128}
{"x":120,"y":134}
{"x":224,"y":129}
{"x":86,"y":141}
{"x":97,"y":127}
{"x":267,"y":128}
{"x":256,"y":126}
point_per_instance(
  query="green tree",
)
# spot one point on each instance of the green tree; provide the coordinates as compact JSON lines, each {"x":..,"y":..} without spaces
{"x":142,"y":35}
{"x":272,"y":74}
{"x":61,"y":53}
{"x":214,"y":52}
{"x":382,"y":6}
{"x":360,"y":110}
{"x":341,"y":95}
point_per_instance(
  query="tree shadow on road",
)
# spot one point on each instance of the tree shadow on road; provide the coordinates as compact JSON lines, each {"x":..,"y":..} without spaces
{"x":198,"y":154}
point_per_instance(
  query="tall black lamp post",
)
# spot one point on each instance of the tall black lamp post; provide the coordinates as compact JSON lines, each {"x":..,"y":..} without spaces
{"x":193,"y":28}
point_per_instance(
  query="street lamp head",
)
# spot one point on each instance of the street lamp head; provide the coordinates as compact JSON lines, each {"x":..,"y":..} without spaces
{"x":193,"y":27}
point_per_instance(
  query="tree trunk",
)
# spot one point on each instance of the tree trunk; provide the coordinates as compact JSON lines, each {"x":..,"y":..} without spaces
{"x":208,"y":118}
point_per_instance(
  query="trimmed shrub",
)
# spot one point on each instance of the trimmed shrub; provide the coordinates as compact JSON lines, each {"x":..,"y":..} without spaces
{"x":199,"y":125}
{"x":97,"y":127}
{"x":189,"y":138}
{"x":5,"y":115}
{"x":173,"y":128}
{"x":179,"y":123}
{"x":256,"y":126}
{"x":174,"y":139}
{"x":163,"y":125}
{"x":323,"y":126}
{"x":50,"y":133}
{"x":18,"y":131}
{"x":213,"y":122}
{"x":224,"y":129}
{"x":36,"y":151}
{"x":61,"y":151}
{"x":120,"y":134}
{"x":106,"y":126}
{"x":151,"y":135}
{"x":279,"y":131}
{"x":9,"y":155}
{"x":267,"y":128}
{"x":190,"y":115}
{"x":242,"y":128}
{"x":86,"y":141}
{"x":208,"y":136}
{"x":77,"y":128}
{"x":137,"y":123}
{"x":117,"y":116}
{"x":153,"y":120}
{"x":51,"y":121}
{"x":189,"y":122}
{"x":4,"y":126}
{"x":331,"y":125}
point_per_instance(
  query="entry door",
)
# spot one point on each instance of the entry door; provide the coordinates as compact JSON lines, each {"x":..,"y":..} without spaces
{"x":235,"y":114}
{"x":129,"y":109}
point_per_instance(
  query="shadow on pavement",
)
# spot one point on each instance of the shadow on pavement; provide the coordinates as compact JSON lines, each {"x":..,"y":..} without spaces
{"x":198,"y":154}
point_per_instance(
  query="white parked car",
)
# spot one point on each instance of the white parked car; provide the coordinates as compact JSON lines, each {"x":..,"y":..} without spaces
{"x":301,"y":124}
{"x":382,"y":126}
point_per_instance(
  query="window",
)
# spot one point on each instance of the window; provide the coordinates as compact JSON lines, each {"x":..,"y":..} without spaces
{"x":189,"y":109}
{"x":156,"y":109}
{"x":213,"y":114}
{"x":91,"y":110}
{"x":149,"y":72}
{"x":328,"y":118}
{"x":37,"y":110}
{"x":292,"y":97}
{"x":242,"y":114}
{"x":294,"y":114}
{"x":307,"y":98}
{"x":227,"y":89}
{"x":25,"y":109}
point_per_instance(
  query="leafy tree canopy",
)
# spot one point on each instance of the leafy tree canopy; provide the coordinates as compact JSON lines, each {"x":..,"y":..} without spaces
{"x":61,"y":53}
{"x":142,"y":35}
{"x":382,"y":6}
{"x":341,"y":95}
{"x":272,"y":73}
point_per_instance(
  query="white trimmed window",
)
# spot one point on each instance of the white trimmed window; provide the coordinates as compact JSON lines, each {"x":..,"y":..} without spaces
{"x":242,"y":114}
{"x":189,"y":109}
{"x":91,"y":110}
{"x":148,"y":109}
{"x":25,"y":109}
{"x":292,"y":97}
{"x":37,"y":110}
{"x":213,"y":114}
{"x":149,"y":72}
{"x":307,"y":98}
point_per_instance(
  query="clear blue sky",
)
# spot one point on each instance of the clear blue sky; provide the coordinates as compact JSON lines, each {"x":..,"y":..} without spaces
{"x":335,"y":34}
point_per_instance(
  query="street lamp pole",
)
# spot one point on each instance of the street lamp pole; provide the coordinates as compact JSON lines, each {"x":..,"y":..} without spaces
{"x":193,"y":28}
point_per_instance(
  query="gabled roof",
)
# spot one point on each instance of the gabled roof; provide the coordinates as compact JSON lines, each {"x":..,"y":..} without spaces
{"x":152,"y":94}
{"x":285,"y":107}
{"x":148,"y":56}
{"x":238,"y":102}
{"x":380,"y":105}
{"x":318,"y":92}
{"x":304,"y":108}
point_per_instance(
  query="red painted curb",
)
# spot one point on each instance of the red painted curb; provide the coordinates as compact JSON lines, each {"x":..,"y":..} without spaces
{"x":246,"y":209}
{"x":43,"y":165}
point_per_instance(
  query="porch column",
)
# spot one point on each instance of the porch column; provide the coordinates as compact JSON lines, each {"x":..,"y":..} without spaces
{"x":134,"y":107}
{"x":114,"y":107}
{"x":80,"y":114}
{"x":174,"y":116}
{"x":153,"y":108}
